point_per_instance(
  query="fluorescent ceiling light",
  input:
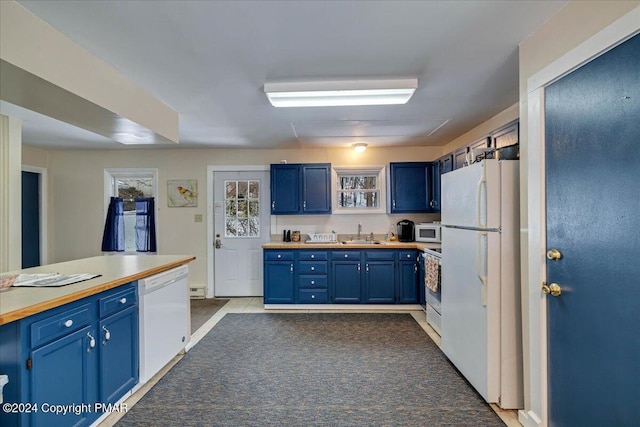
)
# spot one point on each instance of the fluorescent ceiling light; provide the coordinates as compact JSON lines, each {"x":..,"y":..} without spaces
{"x":340,"y":93}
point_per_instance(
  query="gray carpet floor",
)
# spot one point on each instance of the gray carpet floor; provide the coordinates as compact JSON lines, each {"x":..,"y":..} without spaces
{"x":203,"y":309}
{"x":313,"y":369}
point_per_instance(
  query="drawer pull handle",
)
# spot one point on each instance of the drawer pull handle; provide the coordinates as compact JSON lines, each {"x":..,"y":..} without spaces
{"x":313,"y":257}
{"x":123,"y":300}
{"x":107,"y":335}
{"x":313,"y":296}
{"x":68,"y":323}
{"x":279,"y":256}
{"x":408,"y":256}
{"x":92,"y":342}
{"x":313,"y":282}
{"x":346,"y":255}
{"x":313,"y":268}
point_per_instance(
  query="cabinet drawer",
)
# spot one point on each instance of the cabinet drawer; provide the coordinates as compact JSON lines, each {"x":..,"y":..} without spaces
{"x":312,"y":296}
{"x":345,"y":255}
{"x":59,"y":325}
{"x":407,"y":256}
{"x":118,"y":301}
{"x":278,"y":255}
{"x":380,"y":255}
{"x":312,"y":256}
{"x":313,"y":282}
{"x":312,"y":267}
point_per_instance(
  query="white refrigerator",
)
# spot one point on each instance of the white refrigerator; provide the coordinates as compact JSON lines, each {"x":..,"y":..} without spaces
{"x":481,"y":308}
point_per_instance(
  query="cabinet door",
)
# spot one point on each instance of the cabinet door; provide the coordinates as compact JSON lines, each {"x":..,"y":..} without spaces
{"x":410,"y":188}
{"x":380,"y":282}
{"x":446,"y":163}
{"x":505,"y":137}
{"x":408,"y":282}
{"x":316,"y":190}
{"x":435,"y":172}
{"x":459,"y":157}
{"x":285,"y":189}
{"x":346,"y":281}
{"x":118,"y":354}
{"x":279,"y":282}
{"x":64,"y":372}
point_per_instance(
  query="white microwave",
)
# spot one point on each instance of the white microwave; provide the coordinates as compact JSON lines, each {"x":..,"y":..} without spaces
{"x":428,"y":232}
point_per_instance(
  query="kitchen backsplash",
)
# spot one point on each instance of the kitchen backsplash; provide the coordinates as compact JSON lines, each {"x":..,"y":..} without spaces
{"x":342,"y":224}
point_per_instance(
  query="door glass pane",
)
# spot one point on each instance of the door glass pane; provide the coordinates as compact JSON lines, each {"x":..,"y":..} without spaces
{"x":242,"y":208}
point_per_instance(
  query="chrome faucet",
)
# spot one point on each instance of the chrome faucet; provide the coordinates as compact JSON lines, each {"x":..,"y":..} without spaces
{"x":359,"y":231}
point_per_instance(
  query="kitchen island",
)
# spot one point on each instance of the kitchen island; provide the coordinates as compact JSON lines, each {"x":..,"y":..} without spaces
{"x":74,"y":348}
{"x":115,"y":270}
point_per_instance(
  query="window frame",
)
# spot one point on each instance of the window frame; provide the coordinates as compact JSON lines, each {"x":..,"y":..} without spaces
{"x":111,"y":174}
{"x":379,"y":171}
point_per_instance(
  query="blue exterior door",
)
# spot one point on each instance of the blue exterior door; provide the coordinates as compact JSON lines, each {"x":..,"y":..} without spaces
{"x":592,"y":122}
{"x":30,"y":220}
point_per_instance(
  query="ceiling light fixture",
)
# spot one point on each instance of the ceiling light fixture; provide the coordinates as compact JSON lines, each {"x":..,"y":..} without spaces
{"x":340,"y":93}
{"x":359,"y":147}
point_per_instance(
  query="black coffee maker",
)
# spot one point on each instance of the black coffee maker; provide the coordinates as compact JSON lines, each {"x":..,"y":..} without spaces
{"x":405,"y":230}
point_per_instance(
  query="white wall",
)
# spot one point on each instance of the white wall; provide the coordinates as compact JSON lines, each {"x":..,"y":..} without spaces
{"x":76,"y":195}
{"x":10,"y":194}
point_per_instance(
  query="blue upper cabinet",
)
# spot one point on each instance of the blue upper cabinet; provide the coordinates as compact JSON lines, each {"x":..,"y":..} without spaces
{"x":411,"y":187}
{"x":300,"y":189}
{"x":285,"y":189}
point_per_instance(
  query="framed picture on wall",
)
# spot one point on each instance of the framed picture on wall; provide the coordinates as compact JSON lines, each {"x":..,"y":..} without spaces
{"x":182,"y":193}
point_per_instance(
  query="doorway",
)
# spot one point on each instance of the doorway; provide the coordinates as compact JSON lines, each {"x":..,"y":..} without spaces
{"x":241,"y":225}
{"x":592,"y":172}
{"x":34,"y":214}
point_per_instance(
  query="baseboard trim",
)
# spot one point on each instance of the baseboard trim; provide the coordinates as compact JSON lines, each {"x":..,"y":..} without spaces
{"x":529,"y":419}
{"x":345,"y":307}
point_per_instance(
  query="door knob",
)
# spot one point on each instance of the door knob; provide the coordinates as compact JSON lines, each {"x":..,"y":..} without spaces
{"x":554,"y":289}
{"x":554,"y":254}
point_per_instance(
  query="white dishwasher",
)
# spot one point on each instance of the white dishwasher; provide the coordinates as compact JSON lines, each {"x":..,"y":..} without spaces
{"x":165,"y":324}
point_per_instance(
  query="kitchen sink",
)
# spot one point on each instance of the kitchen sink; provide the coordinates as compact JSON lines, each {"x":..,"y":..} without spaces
{"x":361,"y":242}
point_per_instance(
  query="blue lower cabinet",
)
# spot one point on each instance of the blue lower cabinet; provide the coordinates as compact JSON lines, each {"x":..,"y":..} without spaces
{"x":279,"y":283}
{"x":71,"y":356}
{"x":64,"y":373}
{"x":345,"y":276}
{"x":408,"y":277}
{"x":118,"y":354}
{"x":380,"y":282}
{"x":313,"y":296}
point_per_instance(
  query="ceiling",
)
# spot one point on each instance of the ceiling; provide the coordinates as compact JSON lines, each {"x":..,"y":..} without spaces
{"x":209,"y":60}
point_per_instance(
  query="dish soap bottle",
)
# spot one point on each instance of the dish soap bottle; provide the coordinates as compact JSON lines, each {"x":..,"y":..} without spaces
{"x":392,"y":233}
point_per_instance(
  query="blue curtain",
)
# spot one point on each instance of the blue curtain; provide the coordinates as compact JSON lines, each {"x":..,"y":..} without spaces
{"x":145,"y":225}
{"x":113,"y":235}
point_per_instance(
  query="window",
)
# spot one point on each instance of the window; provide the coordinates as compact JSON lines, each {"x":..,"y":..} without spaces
{"x":129,"y":184}
{"x":242,"y":208}
{"x":359,"y":189}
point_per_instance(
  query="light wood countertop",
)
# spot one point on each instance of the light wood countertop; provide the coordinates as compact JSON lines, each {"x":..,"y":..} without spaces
{"x":339,"y":246}
{"x":115,"y":270}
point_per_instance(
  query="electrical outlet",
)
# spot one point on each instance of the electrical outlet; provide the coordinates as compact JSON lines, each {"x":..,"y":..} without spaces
{"x":197,"y":218}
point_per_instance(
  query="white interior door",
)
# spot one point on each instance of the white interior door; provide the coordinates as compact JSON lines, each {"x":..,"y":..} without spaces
{"x":241,"y":226}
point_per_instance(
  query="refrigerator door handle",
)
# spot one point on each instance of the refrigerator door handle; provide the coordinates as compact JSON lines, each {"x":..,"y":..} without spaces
{"x":482,"y":182}
{"x":481,"y":266}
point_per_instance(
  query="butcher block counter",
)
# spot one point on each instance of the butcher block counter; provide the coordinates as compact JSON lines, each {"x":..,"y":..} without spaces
{"x":340,"y":246}
{"x":115,"y":270}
